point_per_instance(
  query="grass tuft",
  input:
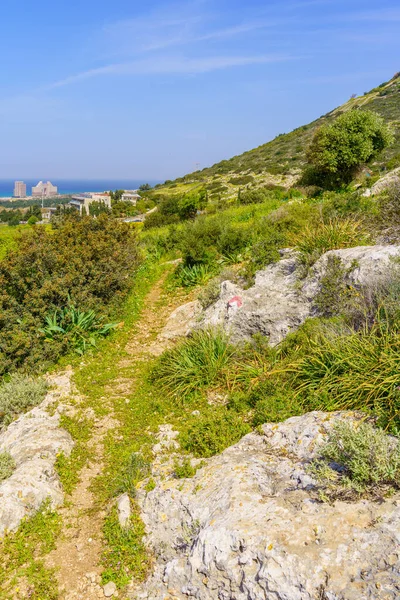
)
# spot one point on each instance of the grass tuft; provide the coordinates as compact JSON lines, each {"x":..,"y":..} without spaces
{"x":194,"y":364}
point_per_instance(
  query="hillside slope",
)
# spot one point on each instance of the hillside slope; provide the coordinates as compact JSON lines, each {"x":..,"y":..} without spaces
{"x":280,"y":161}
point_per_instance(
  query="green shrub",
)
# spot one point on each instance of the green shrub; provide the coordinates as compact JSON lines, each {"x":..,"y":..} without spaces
{"x":339,"y":148}
{"x":357,"y":459}
{"x":210,"y":293}
{"x":243,"y":180}
{"x":211,"y":434}
{"x":275,"y":408}
{"x":192,"y":276}
{"x":352,"y":371}
{"x":19,"y":394}
{"x":92,"y":261}
{"x":193,"y":364}
{"x":76,"y":328}
{"x":335,"y":294}
{"x":7,"y":465}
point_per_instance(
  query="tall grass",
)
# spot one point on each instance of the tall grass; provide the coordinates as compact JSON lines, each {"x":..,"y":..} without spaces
{"x":333,"y":234}
{"x":194,"y":364}
{"x":358,"y":371}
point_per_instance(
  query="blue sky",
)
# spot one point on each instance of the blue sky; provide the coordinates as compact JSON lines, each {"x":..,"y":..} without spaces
{"x":152,"y":90}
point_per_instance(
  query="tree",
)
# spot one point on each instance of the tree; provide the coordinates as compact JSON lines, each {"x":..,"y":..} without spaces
{"x":188,"y":206}
{"x":33,"y":219}
{"x":338,"y":149}
{"x":117,"y":195}
{"x":97,"y":208}
{"x":145,"y":187}
{"x":34,"y":211}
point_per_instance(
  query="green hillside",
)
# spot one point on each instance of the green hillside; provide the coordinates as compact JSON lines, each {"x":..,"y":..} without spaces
{"x":280,"y":161}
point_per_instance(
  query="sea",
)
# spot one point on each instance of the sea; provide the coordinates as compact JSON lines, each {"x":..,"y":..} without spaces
{"x":75,"y":186}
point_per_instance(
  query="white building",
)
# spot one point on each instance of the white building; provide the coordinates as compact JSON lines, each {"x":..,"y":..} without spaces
{"x":82,"y":202}
{"x":19,"y":189}
{"x":44,"y":190}
{"x":130,"y":196}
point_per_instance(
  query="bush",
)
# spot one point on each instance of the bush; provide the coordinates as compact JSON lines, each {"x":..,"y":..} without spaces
{"x":358,"y":459}
{"x":195,"y":363}
{"x":91,"y":261}
{"x":339,"y":148}
{"x":19,"y":394}
{"x":211,"y":434}
{"x":7,"y":466}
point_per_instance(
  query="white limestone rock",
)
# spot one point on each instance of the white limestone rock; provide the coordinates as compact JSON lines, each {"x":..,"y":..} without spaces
{"x":33,"y":440}
{"x":279,"y":301}
{"x":248,"y":527}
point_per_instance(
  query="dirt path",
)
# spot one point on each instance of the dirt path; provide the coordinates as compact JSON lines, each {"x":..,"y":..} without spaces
{"x":77,"y":557}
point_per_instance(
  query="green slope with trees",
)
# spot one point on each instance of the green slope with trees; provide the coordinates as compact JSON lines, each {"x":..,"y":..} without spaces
{"x":280,"y":161}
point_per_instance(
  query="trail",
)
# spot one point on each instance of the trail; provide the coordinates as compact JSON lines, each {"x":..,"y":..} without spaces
{"x":77,"y":557}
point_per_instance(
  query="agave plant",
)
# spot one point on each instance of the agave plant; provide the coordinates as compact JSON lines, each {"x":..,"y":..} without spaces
{"x":79,"y":328}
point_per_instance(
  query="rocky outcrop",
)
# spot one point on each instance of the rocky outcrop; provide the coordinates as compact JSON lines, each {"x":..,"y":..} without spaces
{"x":34,"y":440}
{"x":280,"y":301}
{"x":393,"y":177}
{"x":182,"y":321}
{"x":248,"y":526}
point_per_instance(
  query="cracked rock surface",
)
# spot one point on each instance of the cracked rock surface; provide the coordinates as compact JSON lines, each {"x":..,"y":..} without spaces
{"x":34,"y":440}
{"x":249,"y":526}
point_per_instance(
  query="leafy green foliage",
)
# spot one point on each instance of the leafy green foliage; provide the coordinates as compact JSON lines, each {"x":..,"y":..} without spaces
{"x":357,"y":459}
{"x":211,"y":434}
{"x":91,"y":261}
{"x":193,"y":364}
{"x":76,"y":328}
{"x":192,"y":276}
{"x":339,"y":148}
{"x":125,"y":553}
{"x":7,"y":465}
{"x":69,"y":467}
{"x":184,"y":469}
{"x":19,"y":394}
{"x":19,"y":563}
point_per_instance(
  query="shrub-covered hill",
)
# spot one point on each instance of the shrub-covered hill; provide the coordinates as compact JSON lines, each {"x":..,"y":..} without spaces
{"x":280,"y":161}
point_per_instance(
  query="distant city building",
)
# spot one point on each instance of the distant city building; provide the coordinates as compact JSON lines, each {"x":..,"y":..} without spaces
{"x":44,"y":190}
{"x":47,"y":213}
{"x":19,"y":189}
{"x":82,"y":202}
{"x":130,"y":196}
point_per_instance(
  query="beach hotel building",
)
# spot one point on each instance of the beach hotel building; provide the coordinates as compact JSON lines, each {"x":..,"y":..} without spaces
{"x":19,"y":189}
{"x":44,"y":190}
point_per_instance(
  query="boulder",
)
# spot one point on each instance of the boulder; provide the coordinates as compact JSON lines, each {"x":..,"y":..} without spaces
{"x":181,"y":321}
{"x":386,"y":181}
{"x":280,"y":300}
{"x":33,"y":440}
{"x":249,"y":526}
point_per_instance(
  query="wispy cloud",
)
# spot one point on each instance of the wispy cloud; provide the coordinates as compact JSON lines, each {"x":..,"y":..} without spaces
{"x":169,"y":65}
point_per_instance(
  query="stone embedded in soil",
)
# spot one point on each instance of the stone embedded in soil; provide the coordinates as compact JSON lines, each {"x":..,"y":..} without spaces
{"x":109,"y":589}
{"x":124,"y":510}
